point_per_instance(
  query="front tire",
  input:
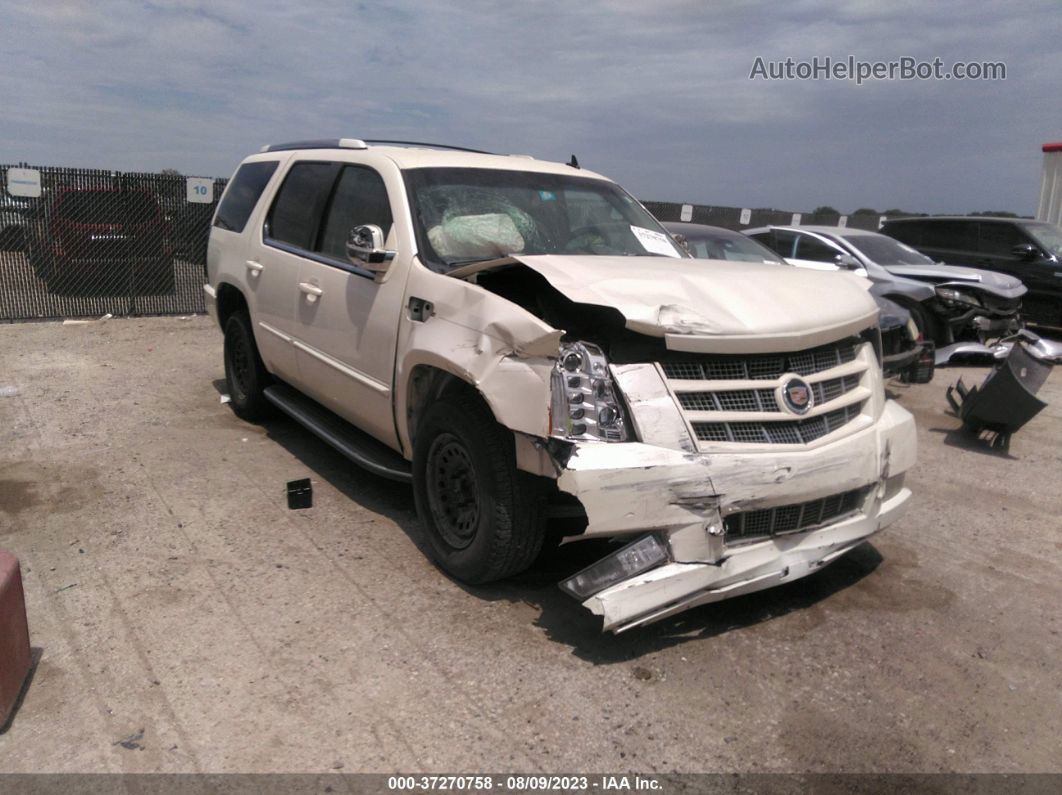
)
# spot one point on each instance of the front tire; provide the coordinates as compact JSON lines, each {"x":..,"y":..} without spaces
{"x":928,"y":327}
{"x":483,"y":517}
{"x":245,"y":374}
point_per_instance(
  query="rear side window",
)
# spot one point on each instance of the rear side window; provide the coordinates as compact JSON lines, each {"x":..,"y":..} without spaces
{"x":360,"y":198}
{"x":293,"y":218}
{"x":777,"y":240}
{"x":957,"y":235}
{"x":813,"y":249}
{"x":243,"y":193}
{"x":909,"y":233}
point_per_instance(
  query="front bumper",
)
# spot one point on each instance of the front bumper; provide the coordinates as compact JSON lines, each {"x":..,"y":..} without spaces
{"x":685,"y":498}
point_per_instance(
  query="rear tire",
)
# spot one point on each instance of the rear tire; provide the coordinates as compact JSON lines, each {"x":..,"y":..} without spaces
{"x":483,"y":517}
{"x":245,"y":374}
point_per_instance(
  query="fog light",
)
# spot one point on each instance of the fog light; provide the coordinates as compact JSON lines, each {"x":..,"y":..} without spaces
{"x":640,"y":556}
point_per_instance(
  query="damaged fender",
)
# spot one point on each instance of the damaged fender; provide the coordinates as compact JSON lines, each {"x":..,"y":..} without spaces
{"x":502,"y":350}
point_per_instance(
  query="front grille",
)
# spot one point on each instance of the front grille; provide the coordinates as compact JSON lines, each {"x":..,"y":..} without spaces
{"x":762,"y":399}
{"x":732,"y":400}
{"x":752,"y":525}
{"x":786,"y":432}
{"x":765,"y":367}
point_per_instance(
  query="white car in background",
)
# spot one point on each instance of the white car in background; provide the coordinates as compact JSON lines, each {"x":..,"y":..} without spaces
{"x":968,"y":302}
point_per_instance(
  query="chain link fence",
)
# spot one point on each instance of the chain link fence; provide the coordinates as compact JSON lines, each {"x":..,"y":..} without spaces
{"x":85,"y":242}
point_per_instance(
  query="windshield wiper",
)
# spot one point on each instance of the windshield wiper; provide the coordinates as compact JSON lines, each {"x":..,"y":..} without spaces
{"x":457,"y":263}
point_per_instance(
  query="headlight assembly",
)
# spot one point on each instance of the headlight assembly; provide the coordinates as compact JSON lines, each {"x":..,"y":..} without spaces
{"x":953,"y":296}
{"x":585,"y":403}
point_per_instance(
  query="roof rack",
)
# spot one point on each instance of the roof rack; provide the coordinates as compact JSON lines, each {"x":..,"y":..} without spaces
{"x":358,"y":143}
{"x":423,"y":143}
{"x":317,"y":143}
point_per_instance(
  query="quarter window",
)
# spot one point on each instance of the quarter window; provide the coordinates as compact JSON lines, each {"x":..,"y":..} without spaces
{"x":243,"y":194}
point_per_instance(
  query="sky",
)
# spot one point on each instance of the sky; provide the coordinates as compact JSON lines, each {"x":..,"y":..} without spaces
{"x":654,"y":94}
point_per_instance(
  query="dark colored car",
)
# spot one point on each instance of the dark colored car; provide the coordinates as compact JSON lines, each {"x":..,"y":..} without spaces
{"x":101,"y":241}
{"x":905,"y":354}
{"x":1029,"y":250}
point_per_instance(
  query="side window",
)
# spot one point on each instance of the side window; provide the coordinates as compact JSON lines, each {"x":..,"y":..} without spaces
{"x":293,"y":217}
{"x":813,"y":249}
{"x":999,"y":239}
{"x":360,"y":198}
{"x":957,"y":235}
{"x":909,"y":232}
{"x":777,"y":240}
{"x":243,"y":194}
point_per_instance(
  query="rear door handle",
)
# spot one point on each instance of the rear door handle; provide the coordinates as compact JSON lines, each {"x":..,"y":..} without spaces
{"x":312,"y":291}
{"x":254,"y":267}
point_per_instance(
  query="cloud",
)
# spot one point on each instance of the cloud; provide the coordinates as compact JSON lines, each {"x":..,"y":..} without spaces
{"x":656,"y":95}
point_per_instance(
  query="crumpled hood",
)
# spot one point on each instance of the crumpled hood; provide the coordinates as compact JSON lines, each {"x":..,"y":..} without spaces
{"x":715,"y":305}
{"x":957,"y":275}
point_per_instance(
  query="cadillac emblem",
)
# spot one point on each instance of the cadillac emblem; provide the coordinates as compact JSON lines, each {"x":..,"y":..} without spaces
{"x":797,"y":395}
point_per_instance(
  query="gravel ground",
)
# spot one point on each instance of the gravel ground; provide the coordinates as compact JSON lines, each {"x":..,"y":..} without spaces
{"x":185,"y":620}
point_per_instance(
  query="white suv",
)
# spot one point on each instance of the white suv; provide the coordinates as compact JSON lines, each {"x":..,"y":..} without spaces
{"x":526,"y":344}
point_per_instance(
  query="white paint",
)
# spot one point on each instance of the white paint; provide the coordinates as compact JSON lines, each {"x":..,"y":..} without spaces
{"x":199,"y":190}
{"x":746,"y":216}
{"x":686,"y":215}
{"x":25,"y":182}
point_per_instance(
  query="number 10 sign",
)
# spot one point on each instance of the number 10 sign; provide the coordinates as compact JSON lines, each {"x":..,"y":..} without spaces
{"x":200,"y":189}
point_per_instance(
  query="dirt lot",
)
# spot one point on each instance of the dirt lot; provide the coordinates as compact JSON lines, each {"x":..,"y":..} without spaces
{"x":186,"y":620}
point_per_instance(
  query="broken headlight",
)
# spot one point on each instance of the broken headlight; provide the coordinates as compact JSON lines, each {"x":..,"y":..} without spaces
{"x":952,"y":296}
{"x":642,"y":555}
{"x":585,"y":403}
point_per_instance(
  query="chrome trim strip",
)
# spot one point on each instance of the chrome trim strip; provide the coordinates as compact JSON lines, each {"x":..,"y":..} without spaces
{"x":346,"y":370}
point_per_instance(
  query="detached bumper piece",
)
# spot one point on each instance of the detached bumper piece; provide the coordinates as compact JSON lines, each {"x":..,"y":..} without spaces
{"x":15,"y":658}
{"x":1007,"y":398}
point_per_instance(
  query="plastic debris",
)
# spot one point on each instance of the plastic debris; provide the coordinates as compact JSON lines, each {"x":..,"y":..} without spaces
{"x":225,"y":399}
{"x":69,"y":322}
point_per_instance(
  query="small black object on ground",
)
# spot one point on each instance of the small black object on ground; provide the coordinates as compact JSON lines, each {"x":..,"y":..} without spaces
{"x":300,"y":494}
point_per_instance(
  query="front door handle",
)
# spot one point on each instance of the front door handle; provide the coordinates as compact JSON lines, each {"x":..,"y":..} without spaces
{"x":312,"y":291}
{"x":254,"y":267}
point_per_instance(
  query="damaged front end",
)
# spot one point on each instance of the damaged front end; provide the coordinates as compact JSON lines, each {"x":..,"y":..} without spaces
{"x":733,"y":447}
{"x":731,"y":482}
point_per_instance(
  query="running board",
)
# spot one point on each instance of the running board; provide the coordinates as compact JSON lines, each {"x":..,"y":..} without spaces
{"x":356,"y":445}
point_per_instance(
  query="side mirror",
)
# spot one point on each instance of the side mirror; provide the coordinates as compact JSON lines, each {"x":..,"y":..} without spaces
{"x":847,"y":261}
{"x":682,"y":241}
{"x":365,"y":247}
{"x":1025,"y":251}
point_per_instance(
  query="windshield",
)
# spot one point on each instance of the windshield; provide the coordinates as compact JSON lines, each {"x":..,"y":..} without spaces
{"x":732,"y":247}
{"x":1047,"y":235}
{"x":886,"y":251}
{"x":466,"y":215}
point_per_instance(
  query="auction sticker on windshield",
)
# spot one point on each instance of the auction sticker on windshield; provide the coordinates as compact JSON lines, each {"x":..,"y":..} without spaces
{"x":654,"y":242}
